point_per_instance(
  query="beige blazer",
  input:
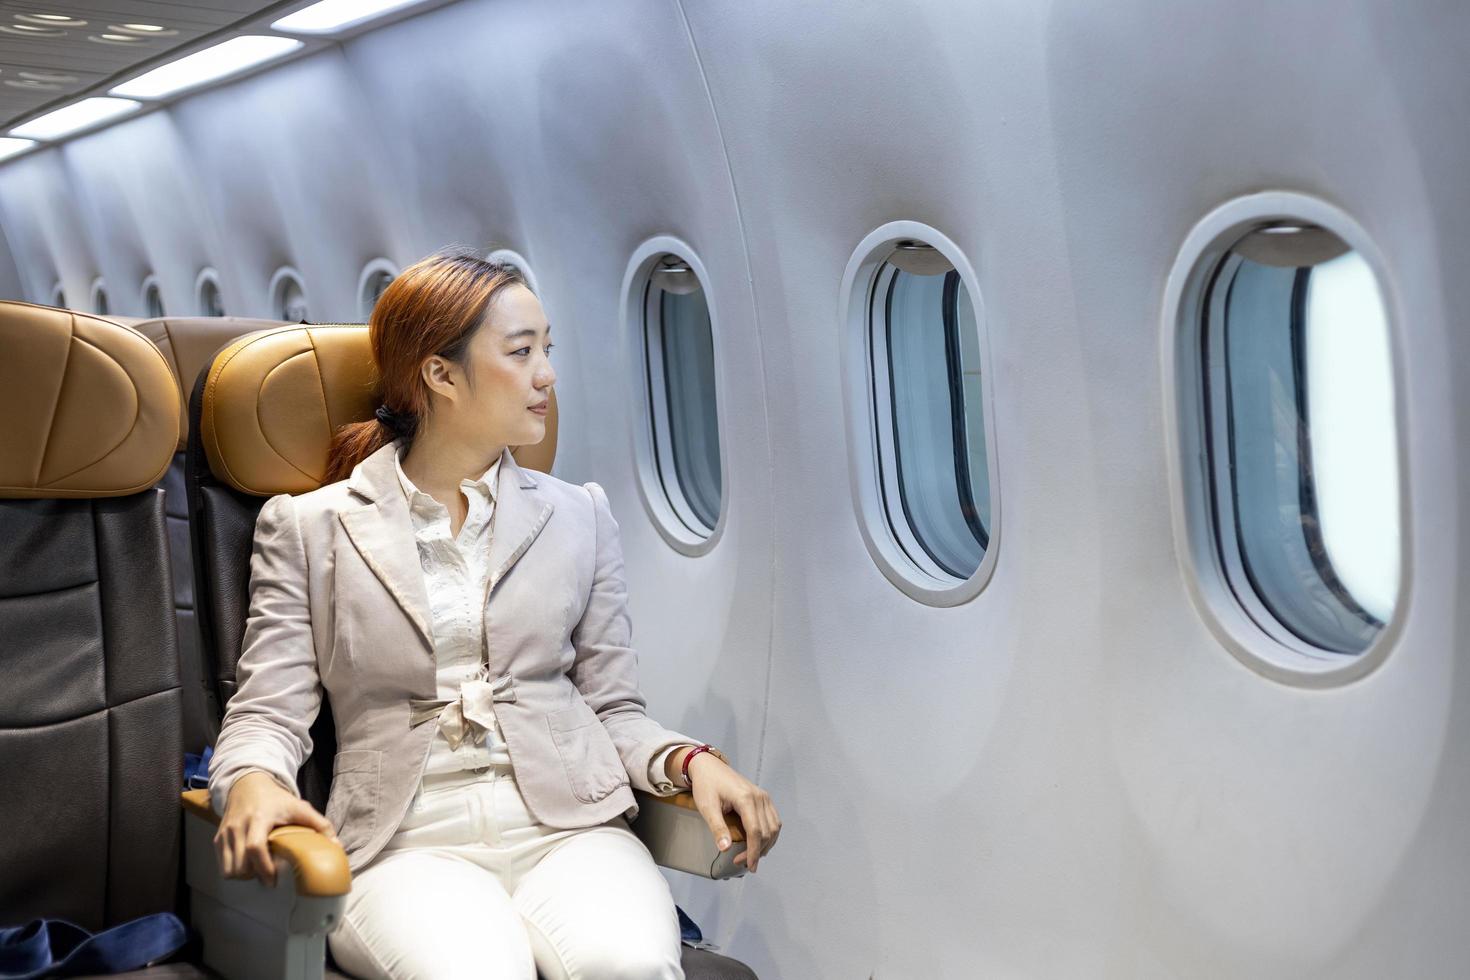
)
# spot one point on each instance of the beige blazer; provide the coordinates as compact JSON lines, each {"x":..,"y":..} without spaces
{"x":338,"y":603}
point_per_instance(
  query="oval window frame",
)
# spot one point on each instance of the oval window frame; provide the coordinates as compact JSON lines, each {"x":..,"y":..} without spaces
{"x":276,"y":288}
{"x":512,"y":257}
{"x":99,"y":288}
{"x":373,"y":268}
{"x":864,"y":471}
{"x":1192,"y":473}
{"x":150,"y":283}
{"x":208,"y":275}
{"x":651,"y":489}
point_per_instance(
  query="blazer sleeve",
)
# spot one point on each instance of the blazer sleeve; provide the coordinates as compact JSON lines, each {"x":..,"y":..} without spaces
{"x":267,"y":723}
{"x":606,"y":667}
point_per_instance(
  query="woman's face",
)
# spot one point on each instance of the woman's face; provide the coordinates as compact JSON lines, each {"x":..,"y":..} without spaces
{"x":507,"y":374}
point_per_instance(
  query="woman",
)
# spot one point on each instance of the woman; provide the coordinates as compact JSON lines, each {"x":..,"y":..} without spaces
{"x":468,"y":621}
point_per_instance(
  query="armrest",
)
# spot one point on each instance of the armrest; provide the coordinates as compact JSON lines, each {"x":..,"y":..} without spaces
{"x":675,"y":833}
{"x":251,"y":930}
{"x":320,"y":865}
{"x":686,"y":800}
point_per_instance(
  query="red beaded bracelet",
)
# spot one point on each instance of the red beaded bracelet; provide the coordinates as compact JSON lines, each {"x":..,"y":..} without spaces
{"x":684,"y":769}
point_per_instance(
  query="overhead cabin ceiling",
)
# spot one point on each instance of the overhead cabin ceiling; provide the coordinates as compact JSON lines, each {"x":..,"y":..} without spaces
{"x":46,"y":62}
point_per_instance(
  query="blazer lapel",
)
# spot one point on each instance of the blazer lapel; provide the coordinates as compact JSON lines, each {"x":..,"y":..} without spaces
{"x":383,"y":535}
{"x":520,"y":514}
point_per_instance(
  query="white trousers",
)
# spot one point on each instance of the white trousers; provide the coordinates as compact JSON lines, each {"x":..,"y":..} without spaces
{"x":472,"y":886}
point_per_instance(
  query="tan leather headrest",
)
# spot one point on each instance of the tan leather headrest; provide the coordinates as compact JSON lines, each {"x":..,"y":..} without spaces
{"x":189,"y":343}
{"x":90,"y":406}
{"x":274,"y":399}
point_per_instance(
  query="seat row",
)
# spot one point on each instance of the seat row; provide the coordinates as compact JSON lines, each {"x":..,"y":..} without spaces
{"x":127,"y":514}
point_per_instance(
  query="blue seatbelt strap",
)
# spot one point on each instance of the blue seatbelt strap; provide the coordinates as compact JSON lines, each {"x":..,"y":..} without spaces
{"x":689,"y":932}
{"x":57,"y":948}
{"x":196,"y":768}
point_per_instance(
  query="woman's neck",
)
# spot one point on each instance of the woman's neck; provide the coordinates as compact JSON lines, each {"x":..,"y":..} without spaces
{"x":437,"y":463}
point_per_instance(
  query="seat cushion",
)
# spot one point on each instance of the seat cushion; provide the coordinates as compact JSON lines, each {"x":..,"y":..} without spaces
{"x":701,"y":964}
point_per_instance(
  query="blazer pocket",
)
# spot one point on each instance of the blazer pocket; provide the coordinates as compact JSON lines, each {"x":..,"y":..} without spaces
{"x":593,"y":767}
{"x":352,"y":804}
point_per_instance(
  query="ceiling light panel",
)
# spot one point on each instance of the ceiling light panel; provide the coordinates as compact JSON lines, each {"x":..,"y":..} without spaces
{"x":31,"y":30}
{"x":141,"y":30}
{"x":10,"y":146}
{"x":50,"y":20}
{"x":329,"y":16}
{"x":212,"y":64}
{"x":72,"y":118}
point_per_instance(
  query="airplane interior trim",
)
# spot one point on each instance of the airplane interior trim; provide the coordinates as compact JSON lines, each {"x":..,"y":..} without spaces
{"x":1208,"y":554}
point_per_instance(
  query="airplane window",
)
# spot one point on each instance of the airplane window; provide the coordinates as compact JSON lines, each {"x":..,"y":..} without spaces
{"x":99,"y":300}
{"x":1301,"y":436}
{"x":58,"y":297}
{"x":288,"y":297}
{"x":512,"y":257}
{"x":210,"y":303}
{"x":375,"y":279}
{"x":680,"y":369}
{"x":931,"y":438}
{"x":153,"y":300}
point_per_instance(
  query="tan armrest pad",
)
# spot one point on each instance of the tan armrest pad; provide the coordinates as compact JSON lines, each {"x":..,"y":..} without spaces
{"x":319,"y":863}
{"x":686,"y":800}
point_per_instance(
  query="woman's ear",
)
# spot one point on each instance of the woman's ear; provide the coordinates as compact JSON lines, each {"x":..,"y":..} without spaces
{"x":438,"y":376}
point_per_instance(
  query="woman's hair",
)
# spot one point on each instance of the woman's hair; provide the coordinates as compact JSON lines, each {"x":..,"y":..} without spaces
{"x":432,"y":307}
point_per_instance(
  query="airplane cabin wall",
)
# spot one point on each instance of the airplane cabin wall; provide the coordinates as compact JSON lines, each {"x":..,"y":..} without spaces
{"x":1067,"y":775}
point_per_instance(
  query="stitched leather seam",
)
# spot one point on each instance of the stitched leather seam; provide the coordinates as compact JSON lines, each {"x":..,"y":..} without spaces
{"x":133,"y":427}
{"x":172,"y":356}
{"x":45,"y":592}
{"x":90,"y":714}
{"x":261,"y":425}
{"x":321,"y":384}
{"x":41,"y":463}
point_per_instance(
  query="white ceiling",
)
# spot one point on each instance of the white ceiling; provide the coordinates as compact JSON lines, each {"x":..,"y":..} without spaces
{"x":88,"y":63}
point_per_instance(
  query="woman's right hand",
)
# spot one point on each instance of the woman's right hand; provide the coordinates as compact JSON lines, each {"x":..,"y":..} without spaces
{"x":257,"y":805}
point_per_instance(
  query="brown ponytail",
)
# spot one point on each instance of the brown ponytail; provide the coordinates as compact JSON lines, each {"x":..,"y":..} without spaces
{"x":433,"y":307}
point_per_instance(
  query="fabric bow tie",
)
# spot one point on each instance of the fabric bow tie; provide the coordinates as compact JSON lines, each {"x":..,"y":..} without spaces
{"x":468,"y":717}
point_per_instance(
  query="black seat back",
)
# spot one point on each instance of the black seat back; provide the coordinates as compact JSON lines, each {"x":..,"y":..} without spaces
{"x":90,"y":704}
{"x":188,"y":344}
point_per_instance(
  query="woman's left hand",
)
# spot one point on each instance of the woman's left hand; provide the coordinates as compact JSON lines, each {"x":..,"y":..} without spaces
{"x":718,"y":789}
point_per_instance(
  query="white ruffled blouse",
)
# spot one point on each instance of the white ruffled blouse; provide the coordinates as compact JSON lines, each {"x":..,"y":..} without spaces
{"x":456,"y":575}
